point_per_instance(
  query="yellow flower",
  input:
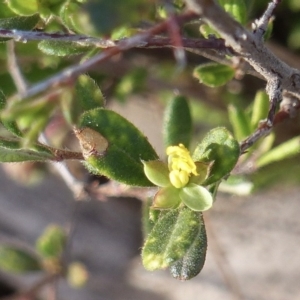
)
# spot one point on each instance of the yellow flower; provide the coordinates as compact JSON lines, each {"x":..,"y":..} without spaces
{"x":179,"y":180}
{"x":181,"y":165}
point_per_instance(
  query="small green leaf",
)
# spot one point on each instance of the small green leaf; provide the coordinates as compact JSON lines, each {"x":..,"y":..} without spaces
{"x":192,"y":262}
{"x":9,"y":125}
{"x":52,"y":242}
{"x":285,"y":150}
{"x":21,"y":7}
{"x":85,"y":96}
{"x":167,"y":198}
{"x":213,"y":74}
{"x":196,"y":197}
{"x":240,"y":121}
{"x":69,"y":14}
{"x":177,"y":127}
{"x":171,"y":238}
{"x":31,"y":116}
{"x":88,"y":92}
{"x":10,"y":155}
{"x":10,"y":143}
{"x":127,"y":147}
{"x":220,"y":147}
{"x":236,"y":8}
{"x":19,"y":23}
{"x":15,"y":260}
{"x":260,"y":108}
{"x":58,"y":48}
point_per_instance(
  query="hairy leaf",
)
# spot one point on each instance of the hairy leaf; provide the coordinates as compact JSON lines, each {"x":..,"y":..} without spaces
{"x":127,"y":147}
{"x":9,"y":125}
{"x":219,"y":147}
{"x":19,"y":155}
{"x":18,"y":23}
{"x":171,"y":238}
{"x":177,"y":127}
{"x":213,"y":74}
{"x":88,"y":92}
{"x":59,"y":48}
{"x":192,"y":262}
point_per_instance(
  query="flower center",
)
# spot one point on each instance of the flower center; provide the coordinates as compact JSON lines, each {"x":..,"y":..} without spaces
{"x":181,"y":165}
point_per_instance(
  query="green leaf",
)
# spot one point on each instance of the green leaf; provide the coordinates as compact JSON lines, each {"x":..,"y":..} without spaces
{"x":171,"y":238}
{"x":196,"y":197}
{"x":9,"y":125}
{"x":10,"y":155}
{"x":52,"y":242}
{"x":16,"y":144}
{"x":13,"y":144}
{"x":31,"y":116}
{"x":240,"y":121}
{"x":213,"y":74}
{"x":19,"y":23}
{"x":220,"y":147}
{"x":15,"y":260}
{"x":177,"y":127}
{"x":236,"y":8}
{"x":85,"y":96}
{"x":22,"y":7}
{"x":127,"y":147}
{"x":59,"y":48}
{"x":285,"y":150}
{"x":192,"y":262}
{"x":260,"y":108}
{"x":88,"y":93}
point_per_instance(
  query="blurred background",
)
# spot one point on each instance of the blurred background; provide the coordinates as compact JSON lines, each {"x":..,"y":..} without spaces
{"x":253,"y":239}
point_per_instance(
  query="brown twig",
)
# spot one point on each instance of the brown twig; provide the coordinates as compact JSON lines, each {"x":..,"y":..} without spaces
{"x":74,"y":71}
{"x":250,"y":46}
